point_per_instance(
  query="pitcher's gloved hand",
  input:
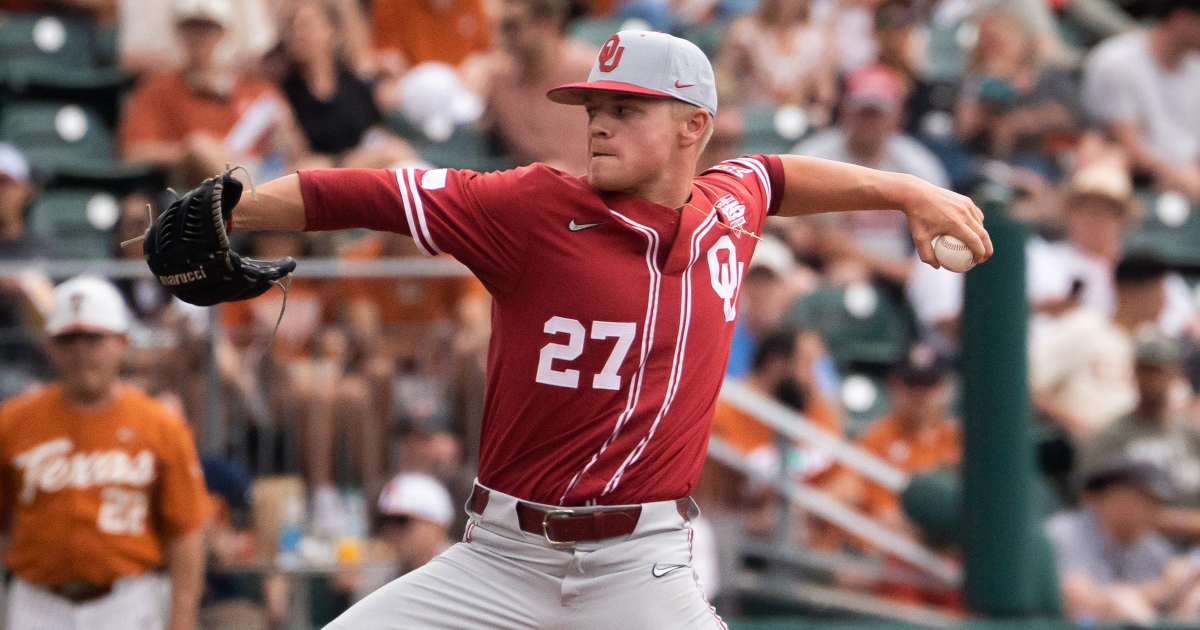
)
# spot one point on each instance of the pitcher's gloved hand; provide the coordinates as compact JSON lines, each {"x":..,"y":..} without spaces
{"x":187,"y":248}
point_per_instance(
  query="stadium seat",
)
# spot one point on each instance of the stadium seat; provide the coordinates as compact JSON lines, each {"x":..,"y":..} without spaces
{"x":761,"y":133}
{"x":860,"y":324}
{"x":708,"y":36}
{"x":467,"y":147}
{"x":596,"y":31}
{"x":77,"y":220}
{"x":1170,"y":229}
{"x":67,"y":42}
{"x":64,"y":140}
{"x":865,"y":398}
{"x":946,"y":56}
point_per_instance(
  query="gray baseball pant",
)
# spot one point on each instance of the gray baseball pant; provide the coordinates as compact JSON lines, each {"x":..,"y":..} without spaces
{"x":502,"y":578}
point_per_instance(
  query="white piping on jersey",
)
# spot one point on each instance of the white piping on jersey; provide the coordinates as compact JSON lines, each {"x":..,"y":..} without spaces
{"x":761,"y":172}
{"x":408,"y":214}
{"x":416,"y":195}
{"x":635,"y":386}
{"x":415,"y":212}
{"x":685,"y":322}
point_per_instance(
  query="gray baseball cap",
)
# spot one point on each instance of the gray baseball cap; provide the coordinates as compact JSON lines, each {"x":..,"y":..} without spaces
{"x":647,"y":63}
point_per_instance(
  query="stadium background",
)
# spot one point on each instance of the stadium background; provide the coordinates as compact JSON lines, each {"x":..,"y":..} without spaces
{"x":847,"y":375}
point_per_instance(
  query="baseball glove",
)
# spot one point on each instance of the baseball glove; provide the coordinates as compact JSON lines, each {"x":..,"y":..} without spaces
{"x":187,"y":248}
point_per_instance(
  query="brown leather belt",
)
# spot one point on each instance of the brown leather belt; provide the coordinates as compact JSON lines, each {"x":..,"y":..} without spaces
{"x":564,"y":526}
{"x":81,"y":592}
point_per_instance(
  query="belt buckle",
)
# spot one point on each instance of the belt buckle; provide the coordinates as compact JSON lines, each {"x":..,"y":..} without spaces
{"x":547,"y":517}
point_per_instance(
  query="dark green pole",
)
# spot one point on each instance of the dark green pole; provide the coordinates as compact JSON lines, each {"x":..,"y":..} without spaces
{"x":998,"y":525}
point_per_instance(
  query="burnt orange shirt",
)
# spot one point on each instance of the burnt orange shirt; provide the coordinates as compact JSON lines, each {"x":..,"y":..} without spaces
{"x":935,"y":446}
{"x":403,"y":300}
{"x":746,"y":433}
{"x":165,"y":108}
{"x":252,"y":320}
{"x":94,"y":495}
{"x":430,"y":30}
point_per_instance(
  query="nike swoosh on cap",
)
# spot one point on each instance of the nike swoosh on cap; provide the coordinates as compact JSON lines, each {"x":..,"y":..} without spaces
{"x":661,"y":570}
{"x":575,"y":227}
{"x":683,"y":85}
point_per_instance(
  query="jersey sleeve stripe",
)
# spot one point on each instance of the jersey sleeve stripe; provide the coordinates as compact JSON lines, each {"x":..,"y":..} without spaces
{"x":420,"y":209}
{"x":761,"y":172}
{"x":408,"y":213}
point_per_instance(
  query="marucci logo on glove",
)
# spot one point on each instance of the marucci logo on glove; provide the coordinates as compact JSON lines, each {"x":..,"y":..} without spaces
{"x":182,"y":278}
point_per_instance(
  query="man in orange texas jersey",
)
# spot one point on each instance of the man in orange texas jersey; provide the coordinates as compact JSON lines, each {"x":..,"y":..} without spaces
{"x":99,"y":485}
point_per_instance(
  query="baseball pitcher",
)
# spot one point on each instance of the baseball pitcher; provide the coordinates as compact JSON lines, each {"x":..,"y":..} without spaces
{"x":614,"y":301}
{"x":99,"y":485}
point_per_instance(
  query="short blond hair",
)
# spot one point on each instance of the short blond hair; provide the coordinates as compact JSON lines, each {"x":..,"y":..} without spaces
{"x":681,"y":110}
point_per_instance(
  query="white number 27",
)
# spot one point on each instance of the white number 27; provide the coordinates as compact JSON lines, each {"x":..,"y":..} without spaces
{"x":608,"y":377}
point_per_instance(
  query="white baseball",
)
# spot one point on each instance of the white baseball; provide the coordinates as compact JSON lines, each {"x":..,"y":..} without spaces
{"x":953,"y":254}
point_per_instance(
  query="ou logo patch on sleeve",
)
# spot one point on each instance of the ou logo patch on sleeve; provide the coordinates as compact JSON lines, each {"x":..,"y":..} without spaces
{"x":610,"y":55}
{"x":726,"y":275}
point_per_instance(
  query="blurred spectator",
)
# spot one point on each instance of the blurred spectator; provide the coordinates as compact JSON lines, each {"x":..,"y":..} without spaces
{"x":870,"y":136}
{"x":145,"y":296}
{"x":228,"y":601}
{"x":1112,"y":566}
{"x":307,"y":377}
{"x":899,"y":49}
{"x":761,"y":304}
{"x":16,"y":194}
{"x":334,"y":108}
{"x":148,"y":41}
{"x":24,"y":298}
{"x":411,"y":32}
{"x":1098,"y":208}
{"x":534,"y":56}
{"x":850,"y":25}
{"x":1009,"y":101}
{"x":1144,"y":86}
{"x":918,"y":435}
{"x":415,"y":512}
{"x":1160,"y":431}
{"x":783,"y":370}
{"x":778,"y":56}
{"x":1081,"y":364}
{"x":194,"y":121}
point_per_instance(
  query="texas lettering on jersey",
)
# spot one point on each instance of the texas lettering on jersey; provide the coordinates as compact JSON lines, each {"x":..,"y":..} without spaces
{"x":51,"y":467}
{"x":609,"y":341}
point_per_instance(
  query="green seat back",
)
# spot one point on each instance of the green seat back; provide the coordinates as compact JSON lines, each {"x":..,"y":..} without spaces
{"x":595,"y":31}
{"x":760,"y":135}
{"x":707,"y":36}
{"x":77,"y":220}
{"x":1170,"y":229}
{"x":55,"y":135}
{"x":68,"y":42}
{"x":859,"y":324}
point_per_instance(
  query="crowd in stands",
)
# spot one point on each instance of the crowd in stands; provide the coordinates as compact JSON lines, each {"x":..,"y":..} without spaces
{"x":1081,"y":113}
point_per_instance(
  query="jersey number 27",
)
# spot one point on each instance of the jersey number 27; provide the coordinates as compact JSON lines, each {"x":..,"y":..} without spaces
{"x":576,"y":333}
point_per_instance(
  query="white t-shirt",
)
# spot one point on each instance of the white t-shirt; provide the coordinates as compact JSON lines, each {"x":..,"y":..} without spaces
{"x":1050,"y":269}
{"x":884,"y":233}
{"x":147,"y":27}
{"x":1123,"y":82}
{"x":1084,"y":363}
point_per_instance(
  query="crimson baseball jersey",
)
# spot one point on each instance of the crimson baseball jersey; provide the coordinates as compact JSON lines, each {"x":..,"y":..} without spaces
{"x":611,"y":320}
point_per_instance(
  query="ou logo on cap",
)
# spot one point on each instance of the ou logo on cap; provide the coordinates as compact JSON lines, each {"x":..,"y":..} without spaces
{"x":610,"y":55}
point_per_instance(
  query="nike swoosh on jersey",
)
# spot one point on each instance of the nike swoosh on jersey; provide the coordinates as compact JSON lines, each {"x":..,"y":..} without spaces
{"x":661,"y":570}
{"x":575,"y":227}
